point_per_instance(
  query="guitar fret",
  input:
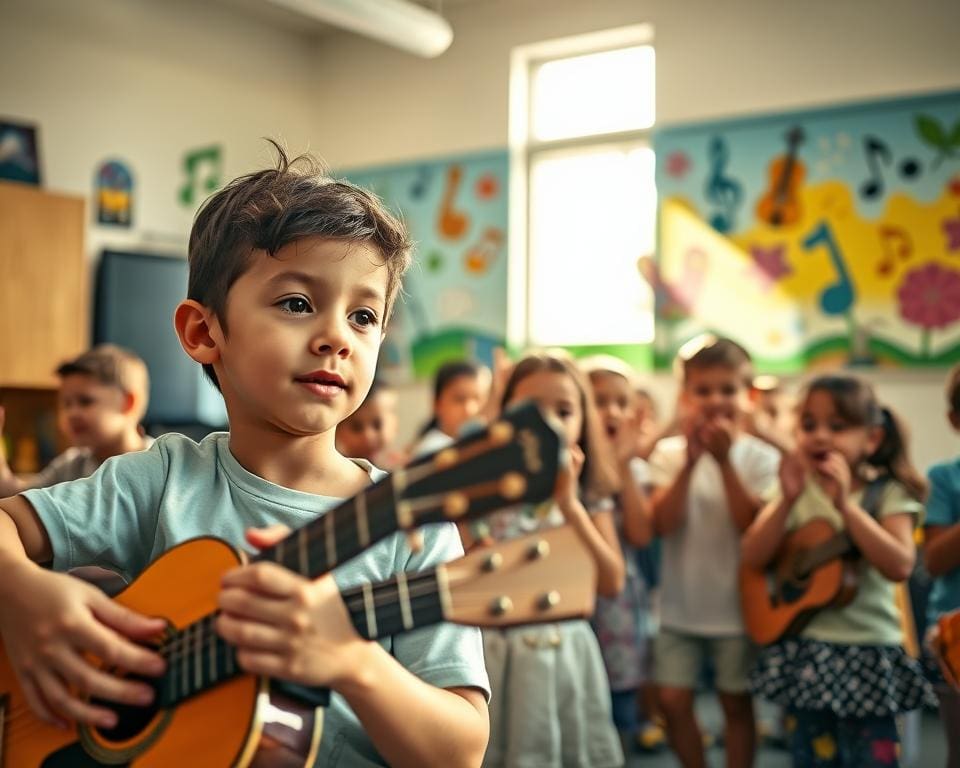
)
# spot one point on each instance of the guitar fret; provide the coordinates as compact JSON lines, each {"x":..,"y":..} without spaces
{"x":228,"y":661}
{"x":331,"y":540}
{"x":370,"y":610}
{"x":443,"y":589}
{"x":363,"y":524}
{"x":280,"y":552}
{"x":214,"y":642}
{"x":185,"y":661}
{"x":198,"y":659}
{"x":404,"y":593}
{"x":302,"y":550}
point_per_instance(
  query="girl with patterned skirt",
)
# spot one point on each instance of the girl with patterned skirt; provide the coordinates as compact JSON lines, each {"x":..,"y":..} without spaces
{"x":550,"y":705}
{"x":846,"y":676}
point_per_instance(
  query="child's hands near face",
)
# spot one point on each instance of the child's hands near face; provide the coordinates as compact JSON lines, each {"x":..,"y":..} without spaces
{"x":833,"y":474}
{"x":284,"y":625}
{"x":52,"y":622}
{"x":628,"y":438}
{"x":793,"y":476}
{"x":568,"y":484}
{"x":716,"y":435}
{"x":691,"y":428}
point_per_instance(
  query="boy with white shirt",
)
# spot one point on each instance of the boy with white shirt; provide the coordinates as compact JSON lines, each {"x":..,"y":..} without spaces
{"x":708,"y":482}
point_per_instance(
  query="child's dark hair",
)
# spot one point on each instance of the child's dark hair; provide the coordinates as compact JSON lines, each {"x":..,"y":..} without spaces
{"x":953,"y":389}
{"x":598,"y":479}
{"x":709,"y":351}
{"x":268,"y":209}
{"x":857,"y":404}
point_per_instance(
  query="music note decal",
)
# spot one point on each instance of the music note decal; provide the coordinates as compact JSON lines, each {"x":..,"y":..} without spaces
{"x":878,"y":154}
{"x":723,"y":191}
{"x":204,"y":171}
{"x":895,"y":245}
{"x":479,"y":258}
{"x":836,"y":298}
{"x":420,"y":185}
{"x":452,"y":224}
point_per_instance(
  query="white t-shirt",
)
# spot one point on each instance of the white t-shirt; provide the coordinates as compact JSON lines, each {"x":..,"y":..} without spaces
{"x":698,"y":584}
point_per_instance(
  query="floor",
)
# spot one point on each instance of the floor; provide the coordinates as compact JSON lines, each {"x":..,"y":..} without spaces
{"x":929,"y":751}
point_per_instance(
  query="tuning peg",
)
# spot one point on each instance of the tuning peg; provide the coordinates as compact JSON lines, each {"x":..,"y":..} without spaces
{"x":455,"y":505}
{"x":549,"y":600}
{"x":512,"y":485}
{"x":446,"y":458}
{"x":501,"y":432}
{"x":415,"y":541}
{"x":539,"y":550}
{"x":494,"y":561}
{"x":501,"y":605}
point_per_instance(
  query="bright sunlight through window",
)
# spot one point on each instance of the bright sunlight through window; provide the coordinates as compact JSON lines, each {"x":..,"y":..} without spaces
{"x":597,"y":93}
{"x":581,"y":113}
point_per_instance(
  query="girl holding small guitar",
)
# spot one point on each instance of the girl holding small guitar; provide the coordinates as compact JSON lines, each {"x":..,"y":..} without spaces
{"x":846,"y":675}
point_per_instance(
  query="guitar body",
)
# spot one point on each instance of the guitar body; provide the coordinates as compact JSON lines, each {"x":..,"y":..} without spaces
{"x":779,"y":600}
{"x":242,"y":722}
{"x":781,"y":205}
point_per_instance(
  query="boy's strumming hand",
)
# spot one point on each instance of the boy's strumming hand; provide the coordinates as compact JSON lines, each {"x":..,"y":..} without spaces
{"x":50,"y":623}
{"x":284,"y":625}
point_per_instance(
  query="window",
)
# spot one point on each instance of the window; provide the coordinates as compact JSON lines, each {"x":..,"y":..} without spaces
{"x":582,"y":188}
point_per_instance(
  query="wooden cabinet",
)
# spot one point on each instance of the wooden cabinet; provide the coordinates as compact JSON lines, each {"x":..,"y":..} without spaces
{"x":44,"y":314}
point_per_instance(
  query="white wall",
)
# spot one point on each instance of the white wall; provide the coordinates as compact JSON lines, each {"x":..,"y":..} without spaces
{"x":713,"y":59}
{"x":146,"y":81}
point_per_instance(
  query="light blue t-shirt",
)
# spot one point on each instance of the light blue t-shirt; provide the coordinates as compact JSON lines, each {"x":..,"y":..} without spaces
{"x":943,"y":509}
{"x":139,"y":505}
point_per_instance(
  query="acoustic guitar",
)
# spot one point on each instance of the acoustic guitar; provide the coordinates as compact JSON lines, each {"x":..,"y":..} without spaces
{"x":812,"y":570}
{"x":781,"y":205}
{"x":258,"y":722}
{"x":945,"y":644}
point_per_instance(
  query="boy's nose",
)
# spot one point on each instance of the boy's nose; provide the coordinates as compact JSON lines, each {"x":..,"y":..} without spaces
{"x":331,"y":338}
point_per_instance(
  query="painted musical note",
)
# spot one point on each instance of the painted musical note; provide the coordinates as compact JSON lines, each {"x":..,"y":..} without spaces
{"x":479,"y":258}
{"x":723,"y":191}
{"x":420,"y":185}
{"x":896,"y":245}
{"x":204,"y":170}
{"x":877,"y":153}
{"x":837,"y":298}
{"x":452,"y":224}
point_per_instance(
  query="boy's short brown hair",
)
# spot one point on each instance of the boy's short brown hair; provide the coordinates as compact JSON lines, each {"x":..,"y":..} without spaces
{"x":268,"y":209}
{"x":709,"y":351}
{"x":113,"y":366}
{"x":953,"y":389}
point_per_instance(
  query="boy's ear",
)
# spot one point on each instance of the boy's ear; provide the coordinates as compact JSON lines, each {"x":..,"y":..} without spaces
{"x":195,"y":324}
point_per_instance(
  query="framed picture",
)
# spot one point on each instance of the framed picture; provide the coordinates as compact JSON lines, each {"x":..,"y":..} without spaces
{"x":19,"y":159}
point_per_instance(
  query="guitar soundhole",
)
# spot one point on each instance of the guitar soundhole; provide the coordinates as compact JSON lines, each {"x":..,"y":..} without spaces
{"x":131,"y":720}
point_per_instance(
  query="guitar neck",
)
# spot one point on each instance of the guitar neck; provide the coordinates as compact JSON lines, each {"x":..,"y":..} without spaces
{"x":403,"y":603}
{"x":837,"y":546}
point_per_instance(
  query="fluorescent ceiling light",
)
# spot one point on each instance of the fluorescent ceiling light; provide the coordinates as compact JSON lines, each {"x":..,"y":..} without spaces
{"x":398,"y":23}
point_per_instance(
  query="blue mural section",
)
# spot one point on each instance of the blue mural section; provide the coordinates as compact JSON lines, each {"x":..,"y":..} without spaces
{"x":456,"y":291}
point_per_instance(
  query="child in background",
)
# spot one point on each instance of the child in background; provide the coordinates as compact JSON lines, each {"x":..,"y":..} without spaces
{"x":551,"y":702}
{"x":626,"y":624}
{"x":304,"y":271}
{"x":708,"y":483}
{"x":846,"y":675}
{"x":102,"y":399}
{"x":370,"y":431}
{"x":770,"y":418}
{"x":942,"y":556}
{"x":459,"y":391}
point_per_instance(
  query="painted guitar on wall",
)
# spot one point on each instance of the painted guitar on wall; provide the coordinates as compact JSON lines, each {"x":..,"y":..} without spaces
{"x":259,"y":722}
{"x":781,"y":206}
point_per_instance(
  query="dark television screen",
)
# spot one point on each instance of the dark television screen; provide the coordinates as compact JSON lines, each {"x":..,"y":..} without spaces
{"x":136,"y":295}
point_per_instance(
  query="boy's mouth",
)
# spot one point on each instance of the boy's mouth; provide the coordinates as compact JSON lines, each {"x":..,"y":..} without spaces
{"x":323,"y":383}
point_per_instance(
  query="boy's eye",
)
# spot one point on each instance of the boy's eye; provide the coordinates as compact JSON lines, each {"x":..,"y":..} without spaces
{"x":364,"y":318}
{"x":295,"y":305}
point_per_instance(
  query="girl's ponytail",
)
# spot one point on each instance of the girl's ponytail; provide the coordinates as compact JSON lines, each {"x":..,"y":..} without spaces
{"x":891,"y":455}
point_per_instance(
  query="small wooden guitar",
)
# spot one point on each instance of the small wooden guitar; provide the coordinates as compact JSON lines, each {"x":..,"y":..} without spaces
{"x":811,"y":571}
{"x":256,"y":722}
{"x":945,"y":644}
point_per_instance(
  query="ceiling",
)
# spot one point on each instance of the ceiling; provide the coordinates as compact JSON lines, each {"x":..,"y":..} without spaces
{"x":281,"y":18}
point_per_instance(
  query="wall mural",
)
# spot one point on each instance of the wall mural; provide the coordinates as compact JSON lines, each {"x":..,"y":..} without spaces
{"x":815,"y":238}
{"x":455,"y":303}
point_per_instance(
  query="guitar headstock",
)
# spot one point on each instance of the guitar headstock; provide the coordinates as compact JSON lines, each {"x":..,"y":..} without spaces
{"x":547,"y":576}
{"x":514,"y":460}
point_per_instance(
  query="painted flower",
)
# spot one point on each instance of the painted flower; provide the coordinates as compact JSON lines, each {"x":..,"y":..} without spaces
{"x":678,"y":163}
{"x":930,"y":296}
